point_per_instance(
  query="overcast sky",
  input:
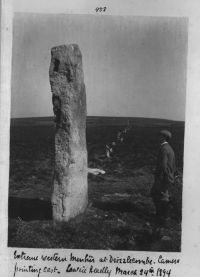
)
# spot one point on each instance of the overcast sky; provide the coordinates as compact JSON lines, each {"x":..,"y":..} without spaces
{"x":133,"y":66}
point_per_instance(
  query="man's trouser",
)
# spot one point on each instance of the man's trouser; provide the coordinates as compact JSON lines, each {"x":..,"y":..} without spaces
{"x":161,"y":202}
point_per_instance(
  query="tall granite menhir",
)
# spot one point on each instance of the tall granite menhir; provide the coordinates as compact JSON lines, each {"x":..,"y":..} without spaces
{"x":70,"y":192}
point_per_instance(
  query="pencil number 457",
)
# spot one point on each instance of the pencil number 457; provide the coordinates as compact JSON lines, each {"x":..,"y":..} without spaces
{"x":100,"y":9}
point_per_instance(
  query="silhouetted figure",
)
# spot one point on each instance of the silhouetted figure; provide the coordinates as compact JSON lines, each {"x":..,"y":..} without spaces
{"x":164,"y":176}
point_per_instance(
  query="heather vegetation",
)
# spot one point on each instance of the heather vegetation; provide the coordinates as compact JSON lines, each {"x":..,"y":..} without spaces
{"x":120,"y":213}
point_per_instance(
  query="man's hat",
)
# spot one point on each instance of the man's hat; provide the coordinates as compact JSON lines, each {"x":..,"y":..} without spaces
{"x":166,"y":133}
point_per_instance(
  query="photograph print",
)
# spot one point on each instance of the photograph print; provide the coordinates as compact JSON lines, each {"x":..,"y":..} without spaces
{"x":97,"y":132}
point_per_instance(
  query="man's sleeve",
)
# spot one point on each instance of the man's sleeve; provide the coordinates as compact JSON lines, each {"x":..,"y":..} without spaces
{"x":165,"y":169}
{"x":164,"y":162}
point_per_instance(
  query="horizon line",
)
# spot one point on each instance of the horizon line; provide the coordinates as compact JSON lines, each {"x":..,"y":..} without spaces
{"x":103,"y":116}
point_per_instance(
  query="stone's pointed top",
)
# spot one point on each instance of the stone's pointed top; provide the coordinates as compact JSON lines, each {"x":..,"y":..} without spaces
{"x":63,"y":47}
{"x":66,"y":59}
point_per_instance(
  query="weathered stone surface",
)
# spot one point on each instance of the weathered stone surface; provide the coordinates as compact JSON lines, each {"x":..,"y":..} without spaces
{"x":70,"y":192}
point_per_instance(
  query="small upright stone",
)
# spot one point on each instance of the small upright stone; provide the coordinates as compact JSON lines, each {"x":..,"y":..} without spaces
{"x":70,"y":190}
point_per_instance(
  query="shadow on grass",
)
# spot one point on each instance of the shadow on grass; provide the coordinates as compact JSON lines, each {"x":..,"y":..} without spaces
{"x":29,"y":209}
{"x":121,"y":206}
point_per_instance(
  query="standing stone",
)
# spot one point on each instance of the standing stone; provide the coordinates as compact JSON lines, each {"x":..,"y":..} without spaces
{"x":70,"y":192}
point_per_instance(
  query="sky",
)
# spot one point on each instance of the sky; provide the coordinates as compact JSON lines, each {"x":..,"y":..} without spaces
{"x":133,"y":66}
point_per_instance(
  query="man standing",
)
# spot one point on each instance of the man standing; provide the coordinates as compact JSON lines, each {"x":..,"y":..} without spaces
{"x":164,"y":176}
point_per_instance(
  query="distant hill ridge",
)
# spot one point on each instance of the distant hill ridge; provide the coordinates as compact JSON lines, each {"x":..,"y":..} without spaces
{"x":97,"y":120}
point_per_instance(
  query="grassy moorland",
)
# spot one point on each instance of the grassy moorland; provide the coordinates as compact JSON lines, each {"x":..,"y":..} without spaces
{"x":120,"y":213}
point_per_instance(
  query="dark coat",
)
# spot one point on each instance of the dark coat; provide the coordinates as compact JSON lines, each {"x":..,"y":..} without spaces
{"x":165,"y":169}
